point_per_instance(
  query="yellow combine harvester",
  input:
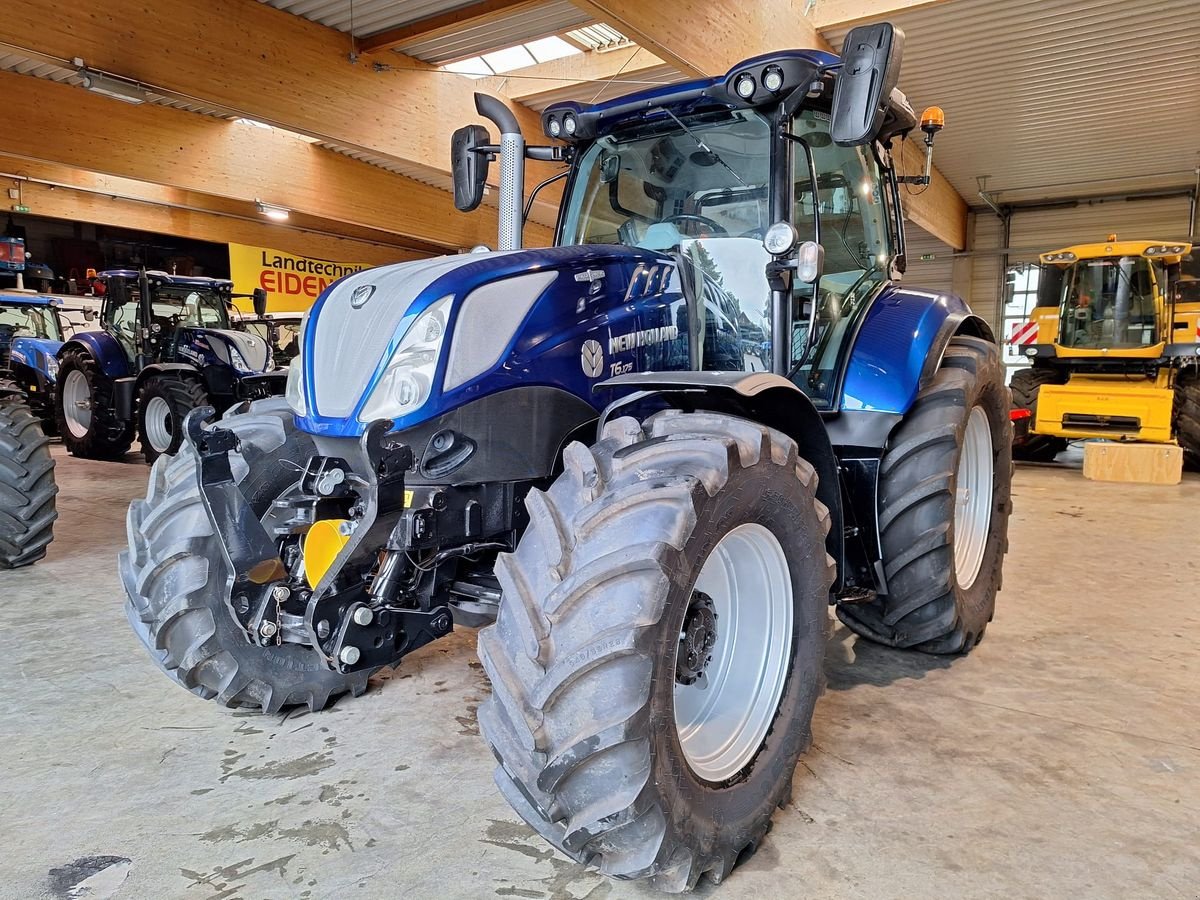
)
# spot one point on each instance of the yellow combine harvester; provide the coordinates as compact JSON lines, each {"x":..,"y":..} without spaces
{"x":1114,"y":344}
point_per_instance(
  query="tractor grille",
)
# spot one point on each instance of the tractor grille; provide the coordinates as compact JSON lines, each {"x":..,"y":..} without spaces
{"x":6,"y":340}
{"x":1118,"y":424}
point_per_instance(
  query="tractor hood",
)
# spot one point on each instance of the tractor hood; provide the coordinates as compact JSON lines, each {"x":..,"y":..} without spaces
{"x":247,"y":353}
{"x":411,"y":341}
{"x":37,"y":353}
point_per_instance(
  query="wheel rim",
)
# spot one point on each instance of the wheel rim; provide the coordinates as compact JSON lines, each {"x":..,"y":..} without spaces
{"x":159,"y":427}
{"x":973,"y":498}
{"x":723,"y":717}
{"x":77,"y":403}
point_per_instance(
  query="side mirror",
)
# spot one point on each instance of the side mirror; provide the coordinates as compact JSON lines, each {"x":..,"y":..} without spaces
{"x":116,"y":291}
{"x":259,"y":299}
{"x":870,"y":69}
{"x":89,"y":314}
{"x":469,"y":165}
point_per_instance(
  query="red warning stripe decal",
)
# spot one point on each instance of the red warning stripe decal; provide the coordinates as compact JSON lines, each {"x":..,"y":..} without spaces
{"x":1024,"y":333}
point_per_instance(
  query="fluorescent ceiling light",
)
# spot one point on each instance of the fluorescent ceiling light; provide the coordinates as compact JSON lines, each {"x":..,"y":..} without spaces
{"x":278,"y":213}
{"x":116,"y":88}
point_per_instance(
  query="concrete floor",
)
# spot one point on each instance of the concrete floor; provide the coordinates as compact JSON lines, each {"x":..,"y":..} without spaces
{"x":1062,"y":758}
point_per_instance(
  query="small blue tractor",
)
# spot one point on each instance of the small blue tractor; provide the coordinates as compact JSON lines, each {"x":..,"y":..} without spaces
{"x":648,"y":459}
{"x":166,"y":346}
{"x":31,"y":334}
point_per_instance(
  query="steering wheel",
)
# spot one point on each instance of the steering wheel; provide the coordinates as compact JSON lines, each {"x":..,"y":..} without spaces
{"x":691,"y":217}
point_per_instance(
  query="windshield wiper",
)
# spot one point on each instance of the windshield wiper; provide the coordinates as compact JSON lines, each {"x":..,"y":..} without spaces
{"x":703,"y":146}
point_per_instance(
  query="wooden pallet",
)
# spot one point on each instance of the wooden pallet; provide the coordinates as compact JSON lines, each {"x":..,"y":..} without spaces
{"x":1133,"y":463}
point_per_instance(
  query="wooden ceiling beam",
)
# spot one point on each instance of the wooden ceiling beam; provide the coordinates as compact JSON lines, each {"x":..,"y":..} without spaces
{"x":472,"y":15}
{"x":206,"y":155}
{"x":49,"y":189}
{"x":270,"y":65}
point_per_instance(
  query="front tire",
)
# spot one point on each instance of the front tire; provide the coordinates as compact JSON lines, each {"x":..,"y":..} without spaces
{"x":163,"y":403}
{"x":634,"y":558}
{"x":943,"y":540}
{"x":1187,"y":416}
{"x":176,"y":577}
{"x":1024,"y":387}
{"x":84,"y":409}
{"x":27,"y":487}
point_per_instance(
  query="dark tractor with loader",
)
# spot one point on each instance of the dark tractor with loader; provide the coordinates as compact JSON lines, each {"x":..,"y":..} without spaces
{"x":166,"y":346}
{"x":578,"y":448}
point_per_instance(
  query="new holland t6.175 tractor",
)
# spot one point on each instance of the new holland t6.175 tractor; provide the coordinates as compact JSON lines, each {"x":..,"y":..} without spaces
{"x":582,"y":446}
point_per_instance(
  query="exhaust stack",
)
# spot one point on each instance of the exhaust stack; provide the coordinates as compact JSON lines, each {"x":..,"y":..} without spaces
{"x":512,"y":169}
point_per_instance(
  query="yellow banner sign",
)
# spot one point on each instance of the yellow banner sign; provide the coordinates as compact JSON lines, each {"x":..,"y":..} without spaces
{"x":292,"y":282}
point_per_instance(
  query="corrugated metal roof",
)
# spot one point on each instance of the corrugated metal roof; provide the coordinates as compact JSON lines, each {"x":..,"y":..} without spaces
{"x":368,"y":16}
{"x":1037,"y":94}
{"x":506,"y":30}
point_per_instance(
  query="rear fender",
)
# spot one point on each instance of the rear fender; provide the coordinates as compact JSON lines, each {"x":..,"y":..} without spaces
{"x":769,"y":399}
{"x":900,"y":345}
{"x":104,"y":349}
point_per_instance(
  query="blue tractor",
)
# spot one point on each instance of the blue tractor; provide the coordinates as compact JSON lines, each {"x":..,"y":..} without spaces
{"x":166,"y":346}
{"x":31,"y":334}
{"x":582,"y":449}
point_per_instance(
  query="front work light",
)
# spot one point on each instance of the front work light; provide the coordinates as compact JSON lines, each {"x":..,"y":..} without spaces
{"x":744,"y":85}
{"x":569,"y":124}
{"x":780,"y":239}
{"x":773,"y":79}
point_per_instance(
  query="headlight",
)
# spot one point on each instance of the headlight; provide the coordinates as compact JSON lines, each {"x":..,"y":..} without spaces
{"x":51,"y":366}
{"x":237,"y":360}
{"x":408,"y":379}
{"x":294,"y":392}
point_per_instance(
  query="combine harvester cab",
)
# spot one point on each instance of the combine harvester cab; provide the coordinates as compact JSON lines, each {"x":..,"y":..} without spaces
{"x":651,"y":456}
{"x":1114,"y":345}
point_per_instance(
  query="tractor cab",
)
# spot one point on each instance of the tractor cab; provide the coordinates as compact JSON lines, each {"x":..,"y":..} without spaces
{"x":158,"y":317}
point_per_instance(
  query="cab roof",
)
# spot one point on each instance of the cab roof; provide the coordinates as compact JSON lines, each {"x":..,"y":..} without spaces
{"x":1168,"y":251}
{"x":167,"y":278}
{"x":7,"y":299}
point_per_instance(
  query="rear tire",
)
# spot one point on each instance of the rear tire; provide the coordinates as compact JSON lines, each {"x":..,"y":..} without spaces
{"x":1024,"y":386}
{"x":941,"y":596}
{"x":94,"y":431}
{"x":176,"y":578}
{"x":27,"y":487}
{"x":592,"y":718}
{"x":163,"y":403}
{"x":1187,"y":416}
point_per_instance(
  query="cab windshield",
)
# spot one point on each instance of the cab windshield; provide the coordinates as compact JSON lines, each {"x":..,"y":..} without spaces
{"x":1108,"y":302}
{"x":30,"y":321}
{"x":699,"y":186}
{"x":188,"y":306}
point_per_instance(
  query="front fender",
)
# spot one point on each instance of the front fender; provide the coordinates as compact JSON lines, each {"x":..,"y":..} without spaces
{"x":899,"y":347}
{"x":104,"y":349}
{"x":759,"y":396}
